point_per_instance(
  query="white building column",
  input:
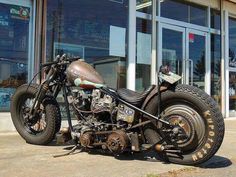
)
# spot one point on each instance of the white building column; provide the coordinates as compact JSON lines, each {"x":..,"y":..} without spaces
{"x":225,"y":62}
{"x":131,"y":63}
{"x":154,"y":44}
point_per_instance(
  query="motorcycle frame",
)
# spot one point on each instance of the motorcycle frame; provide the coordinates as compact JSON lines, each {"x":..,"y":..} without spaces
{"x":62,"y":85}
{"x":111,"y":92}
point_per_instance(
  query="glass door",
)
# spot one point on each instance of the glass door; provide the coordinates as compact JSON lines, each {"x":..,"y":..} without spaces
{"x":185,"y":51}
{"x":232,"y":94}
{"x":15,"y":47}
{"x":231,"y":67}
{"x":196,"y":63}
{"x":173,"y":48}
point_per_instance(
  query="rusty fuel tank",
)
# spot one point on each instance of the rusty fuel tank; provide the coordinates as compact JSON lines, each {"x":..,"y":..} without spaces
{"x":82,"y":74}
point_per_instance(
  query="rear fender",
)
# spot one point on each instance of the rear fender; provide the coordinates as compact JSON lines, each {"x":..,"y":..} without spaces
{"x":154,"y":93}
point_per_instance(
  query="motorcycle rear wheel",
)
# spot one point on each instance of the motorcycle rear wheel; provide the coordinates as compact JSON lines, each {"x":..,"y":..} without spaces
{"x":202,"y":117}
{"x":47,"y":123}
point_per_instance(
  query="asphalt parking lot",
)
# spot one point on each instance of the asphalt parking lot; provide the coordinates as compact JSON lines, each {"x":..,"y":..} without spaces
{"x":19,"y":159}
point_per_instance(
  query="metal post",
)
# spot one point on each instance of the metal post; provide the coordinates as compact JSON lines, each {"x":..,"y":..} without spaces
{"x":131,"y":68}
{"x":223,"y":70}
{"x":154,"y":44}
{"x":226,"y":63}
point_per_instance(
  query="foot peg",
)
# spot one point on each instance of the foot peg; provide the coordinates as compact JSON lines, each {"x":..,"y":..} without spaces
{"x":166,"y":148}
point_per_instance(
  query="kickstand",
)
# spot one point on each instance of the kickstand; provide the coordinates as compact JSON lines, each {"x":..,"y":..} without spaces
{"x":70,"y":152}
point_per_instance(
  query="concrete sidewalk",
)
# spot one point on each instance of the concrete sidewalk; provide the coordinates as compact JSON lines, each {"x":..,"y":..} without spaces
{"x":20,"y":159}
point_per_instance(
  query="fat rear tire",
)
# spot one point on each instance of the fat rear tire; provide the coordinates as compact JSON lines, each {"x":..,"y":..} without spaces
{"x":212,"y":125}
{"x":52,"y":116}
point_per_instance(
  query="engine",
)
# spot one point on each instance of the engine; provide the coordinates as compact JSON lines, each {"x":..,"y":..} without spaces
{"x":125,"y":114}
{"x":115,"y":141}
{"x":101,"y":121}
{"x":97,"y":102}
{"x":101,"y":102}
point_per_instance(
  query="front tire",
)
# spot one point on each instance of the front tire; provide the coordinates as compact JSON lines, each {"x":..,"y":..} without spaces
{"x":48,"y":122}
{"x":205,"y":123}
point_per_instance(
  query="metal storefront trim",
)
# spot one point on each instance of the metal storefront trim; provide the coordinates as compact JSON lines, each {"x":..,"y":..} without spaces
{"x":131,"y":67}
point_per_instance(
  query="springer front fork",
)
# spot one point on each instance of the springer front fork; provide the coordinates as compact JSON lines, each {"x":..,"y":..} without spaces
{"x":39,"y":97}
{"x":43,"y":89}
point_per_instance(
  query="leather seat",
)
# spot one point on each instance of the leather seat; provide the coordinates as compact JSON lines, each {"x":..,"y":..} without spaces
{"x":135,"y":98}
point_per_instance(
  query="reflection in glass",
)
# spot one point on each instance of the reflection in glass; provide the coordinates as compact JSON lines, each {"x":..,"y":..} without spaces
{"x":96,"y":32}
{"x":232,"y":94}
{"x":197,"y":55}
{"x":232,"y":42}
{"x":215,"y":19}
{"x":198,"y":15}
{"x":172,"y":50}
{"x":14,"y":43}
{"x":144,"y":6}
{"x":183,"y":11}
{"x":232,"y":64}
{"x":175,"y":10}
{"x":216,"y":67}
{"x":143,"y":59}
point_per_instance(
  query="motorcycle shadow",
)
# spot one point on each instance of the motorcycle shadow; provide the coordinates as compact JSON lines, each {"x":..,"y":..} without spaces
{"x":150,"y":156}
{"x":216,"y":162}
{"x":64,"y":144}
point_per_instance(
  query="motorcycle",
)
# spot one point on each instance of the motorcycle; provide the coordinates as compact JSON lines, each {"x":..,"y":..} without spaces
{"x":181,"y":123}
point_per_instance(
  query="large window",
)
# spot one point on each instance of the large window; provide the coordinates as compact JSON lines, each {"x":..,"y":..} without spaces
{"x":172,"y":50}
{"x":232,"y":67}
{"x":14,"y":43}
{"x":215,"y":19}
{"x":144,"y":6}
{"x":216,"y":67}
{"x":232,"y":42}
{"x":93,"y":30}
{"x":143,"y":54}
{"x":232,"y":94}
{"x":183,"y":11}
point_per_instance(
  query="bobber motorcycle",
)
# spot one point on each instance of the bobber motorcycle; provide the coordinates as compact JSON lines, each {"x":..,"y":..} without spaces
{"x":181,"y":123}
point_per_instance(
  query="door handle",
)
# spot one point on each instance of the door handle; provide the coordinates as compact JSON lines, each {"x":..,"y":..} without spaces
{"x":191,"y":66}
{"x":178,"y":67}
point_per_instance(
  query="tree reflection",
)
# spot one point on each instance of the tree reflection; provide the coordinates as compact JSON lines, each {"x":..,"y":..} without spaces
{"x":232,"y":59}
{"x":199,"y":69}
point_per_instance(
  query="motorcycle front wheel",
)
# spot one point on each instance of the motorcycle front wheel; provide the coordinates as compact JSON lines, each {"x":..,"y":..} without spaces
{"x":199,"y":118}
{"x":41,"y":129}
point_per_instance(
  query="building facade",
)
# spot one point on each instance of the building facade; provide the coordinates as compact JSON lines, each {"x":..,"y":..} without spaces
{"x":125,"y":40}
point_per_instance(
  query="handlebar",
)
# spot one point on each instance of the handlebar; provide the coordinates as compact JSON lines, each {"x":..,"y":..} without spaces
{"x":60,"y":60}
{"x":49,"y":63}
